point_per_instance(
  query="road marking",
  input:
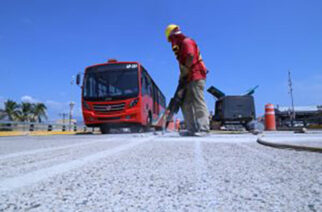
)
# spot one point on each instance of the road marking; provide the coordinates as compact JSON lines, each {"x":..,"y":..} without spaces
{"x":201,"y":170}
{"x":42,"y":150}
{"x":199,"y":160}
{"x":21,"y":164}
{"x":43,"y":174}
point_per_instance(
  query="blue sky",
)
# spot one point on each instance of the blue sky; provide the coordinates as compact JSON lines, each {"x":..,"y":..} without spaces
{"x":243,"y":43}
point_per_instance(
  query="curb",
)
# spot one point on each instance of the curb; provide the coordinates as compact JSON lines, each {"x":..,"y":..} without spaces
{"x":289,"y":146}
{"x":44,"y":133}
{"x":6,"y":134}
{"x":36,"y":133}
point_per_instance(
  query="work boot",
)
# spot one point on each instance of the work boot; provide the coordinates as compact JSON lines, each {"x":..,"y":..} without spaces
{"x":202,"y":133}
{"x":187,"y":133}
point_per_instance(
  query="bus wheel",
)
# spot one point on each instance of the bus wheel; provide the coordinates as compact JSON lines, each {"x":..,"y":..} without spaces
{"x":148,"y":126}
{"x":136,"y":129}
{"x":104,"y":129}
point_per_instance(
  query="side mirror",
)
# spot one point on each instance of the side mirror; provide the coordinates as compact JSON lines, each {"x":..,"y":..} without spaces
{"x":78,"y":79}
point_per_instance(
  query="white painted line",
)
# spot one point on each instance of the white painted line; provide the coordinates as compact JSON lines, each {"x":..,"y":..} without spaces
{"x":52,"y":157}
{"x":201,"y":170}
{"x":49,"y":149}
{"x":199,"y":161}
{"x":44,"y":174}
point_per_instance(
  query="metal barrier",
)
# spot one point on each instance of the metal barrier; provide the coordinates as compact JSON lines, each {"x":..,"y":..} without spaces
{"x":34,"y":126}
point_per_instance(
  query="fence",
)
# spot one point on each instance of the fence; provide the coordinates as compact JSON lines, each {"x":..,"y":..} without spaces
{"x":46,"y":126}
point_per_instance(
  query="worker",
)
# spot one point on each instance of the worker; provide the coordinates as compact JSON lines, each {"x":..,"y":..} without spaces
{"x":193,"y":73}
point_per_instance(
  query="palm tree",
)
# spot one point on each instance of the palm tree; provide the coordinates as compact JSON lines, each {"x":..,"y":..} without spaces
{"x":25,"y":112}
{"x":39,"y":111}
{"x":11,"y":108}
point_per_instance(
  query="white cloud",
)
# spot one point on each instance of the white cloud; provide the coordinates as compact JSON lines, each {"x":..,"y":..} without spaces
{"x":29,"y":99}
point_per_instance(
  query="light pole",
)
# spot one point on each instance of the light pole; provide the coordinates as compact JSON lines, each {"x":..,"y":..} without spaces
{"x":71,"y":105}
{"x":292,"y":115}
{"x":63,"y":115}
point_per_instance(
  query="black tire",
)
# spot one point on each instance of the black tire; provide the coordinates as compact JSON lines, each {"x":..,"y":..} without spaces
{"x":136,"y":129}
{"x":105,"y":129}
{"x":148,"y":126}
{"x":158,"y":128}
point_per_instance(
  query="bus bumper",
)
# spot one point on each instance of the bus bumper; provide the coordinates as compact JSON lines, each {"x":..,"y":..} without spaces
{"x":93,"y":119}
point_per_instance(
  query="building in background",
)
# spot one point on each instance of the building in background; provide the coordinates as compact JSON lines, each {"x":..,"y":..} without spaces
{"x":305,"y":116}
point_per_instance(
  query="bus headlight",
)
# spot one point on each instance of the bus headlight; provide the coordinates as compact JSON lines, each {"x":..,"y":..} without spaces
{"x":86,"y":106}
{"x":134,"y":102}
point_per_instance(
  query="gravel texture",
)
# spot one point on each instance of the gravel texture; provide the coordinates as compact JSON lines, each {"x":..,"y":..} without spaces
{"x":147,"y":172}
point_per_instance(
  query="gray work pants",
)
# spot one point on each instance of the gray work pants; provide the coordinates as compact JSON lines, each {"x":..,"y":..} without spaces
{"x":194,"y":108}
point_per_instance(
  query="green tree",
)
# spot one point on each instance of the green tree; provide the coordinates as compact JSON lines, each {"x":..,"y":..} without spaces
{"x":26,"y":111}
{"x":11,"y":108}
{"x":39,"y":112}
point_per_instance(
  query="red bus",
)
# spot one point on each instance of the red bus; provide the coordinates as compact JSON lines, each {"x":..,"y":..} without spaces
{"x":121,"y":95}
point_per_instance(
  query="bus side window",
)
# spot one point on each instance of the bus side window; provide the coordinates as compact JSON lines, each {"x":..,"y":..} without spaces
{"x":161,"y":99}
{"x":143,"y":84}
{"x":149,"y":86}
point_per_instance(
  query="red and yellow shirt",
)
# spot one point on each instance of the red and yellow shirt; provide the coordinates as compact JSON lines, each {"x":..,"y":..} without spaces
{"x":187,"y":47}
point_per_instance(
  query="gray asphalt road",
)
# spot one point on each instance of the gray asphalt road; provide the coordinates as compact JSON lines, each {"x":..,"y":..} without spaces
{"x":146,"y":172}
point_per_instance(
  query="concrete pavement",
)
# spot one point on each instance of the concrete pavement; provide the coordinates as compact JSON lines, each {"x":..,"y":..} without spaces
{"x":147,"y":172}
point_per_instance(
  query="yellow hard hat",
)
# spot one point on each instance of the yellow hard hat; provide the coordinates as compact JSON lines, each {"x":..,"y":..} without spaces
{"x":169,"y":29}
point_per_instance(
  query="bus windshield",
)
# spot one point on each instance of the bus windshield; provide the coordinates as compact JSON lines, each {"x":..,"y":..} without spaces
{"x":112,"y":81}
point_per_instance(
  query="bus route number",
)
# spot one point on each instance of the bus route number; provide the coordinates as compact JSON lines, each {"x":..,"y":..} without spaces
{"x":131,"y":66}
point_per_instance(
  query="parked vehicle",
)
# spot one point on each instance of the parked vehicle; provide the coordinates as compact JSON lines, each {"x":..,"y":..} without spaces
{"x":121,"y":95}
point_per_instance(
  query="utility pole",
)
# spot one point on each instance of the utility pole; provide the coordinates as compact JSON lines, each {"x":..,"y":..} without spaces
{"x":63,"y":115}
{"x":71,"y":105}
{"x":292,"y":115}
